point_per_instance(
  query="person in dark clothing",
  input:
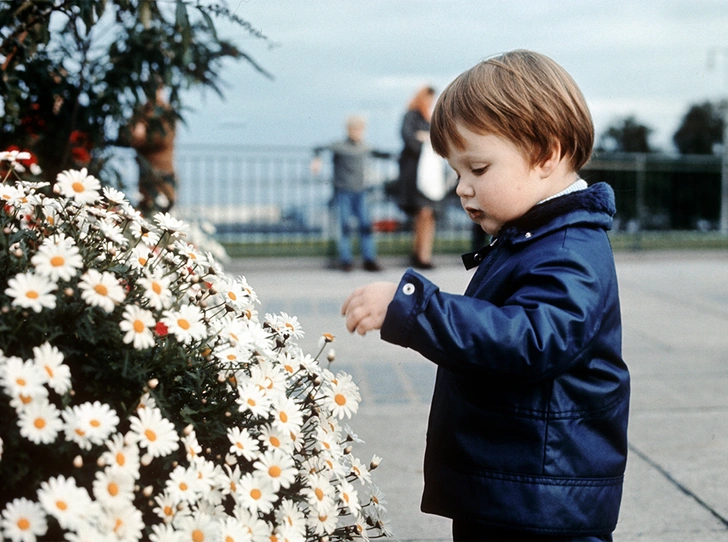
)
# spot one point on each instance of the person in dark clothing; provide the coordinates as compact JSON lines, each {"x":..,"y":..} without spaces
{"x":350,"y":158}
{"x":416,"y":131}
{"x":527,"y":434}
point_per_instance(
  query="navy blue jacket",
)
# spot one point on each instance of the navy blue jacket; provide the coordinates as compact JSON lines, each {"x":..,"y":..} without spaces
{"x":528,"y":423}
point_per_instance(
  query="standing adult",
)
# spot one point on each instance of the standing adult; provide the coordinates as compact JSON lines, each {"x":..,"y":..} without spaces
{"x":152,"y":135}
{"x":416,"y":132}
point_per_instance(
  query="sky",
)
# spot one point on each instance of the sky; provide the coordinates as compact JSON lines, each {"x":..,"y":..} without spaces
{"x":333,"y":58}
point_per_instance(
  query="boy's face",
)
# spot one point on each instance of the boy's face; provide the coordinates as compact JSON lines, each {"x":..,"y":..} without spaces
{"x":356,"y":132}
{"x":496,"y":183}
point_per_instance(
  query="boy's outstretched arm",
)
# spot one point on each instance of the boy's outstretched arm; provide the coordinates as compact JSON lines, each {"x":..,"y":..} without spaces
{"x":366,"y":307}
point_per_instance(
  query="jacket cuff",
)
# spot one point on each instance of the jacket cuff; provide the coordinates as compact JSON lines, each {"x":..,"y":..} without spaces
{"x":410,"y":300}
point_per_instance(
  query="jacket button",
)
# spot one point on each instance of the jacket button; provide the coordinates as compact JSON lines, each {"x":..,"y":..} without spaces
{"x":528,"y":235}
{"x":477,"y":257}
{"x":408,"y":289}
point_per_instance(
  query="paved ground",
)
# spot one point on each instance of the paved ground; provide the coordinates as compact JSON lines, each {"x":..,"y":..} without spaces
{"x":675,"y":313}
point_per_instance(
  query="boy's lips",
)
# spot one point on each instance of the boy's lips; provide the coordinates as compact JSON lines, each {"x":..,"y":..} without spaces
{"x":473,"y":213}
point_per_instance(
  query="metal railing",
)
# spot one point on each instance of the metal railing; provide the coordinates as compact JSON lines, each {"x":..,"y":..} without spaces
{"x":266,"y":197}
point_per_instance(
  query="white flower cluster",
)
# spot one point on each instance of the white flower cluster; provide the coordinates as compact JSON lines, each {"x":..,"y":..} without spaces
{"x":288,"y":474}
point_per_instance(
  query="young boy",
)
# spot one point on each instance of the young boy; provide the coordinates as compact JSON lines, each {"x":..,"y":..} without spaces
{"x":350,"y":158}
{"x":527,"y":436}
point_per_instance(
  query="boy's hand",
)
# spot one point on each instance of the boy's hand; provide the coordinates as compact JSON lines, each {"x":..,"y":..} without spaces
{"x":366,"y":307}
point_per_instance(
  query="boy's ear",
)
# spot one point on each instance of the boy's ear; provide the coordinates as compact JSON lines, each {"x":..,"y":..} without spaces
{"x":548,"y":166}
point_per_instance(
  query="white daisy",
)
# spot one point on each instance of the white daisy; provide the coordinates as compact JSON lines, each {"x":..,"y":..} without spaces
{"x":278,"y":467}
{"x":187,"y":323}
{"x":242,"y":443}
{"x":323,"y":522}
{"x":191,"y":446}
{"x":233,"y":530}
{"x":113,"y":233}
{"x":78,"y":185}
{"x":113,"y":487}
{"x":40,"y":422}
{"x":137,"y":324}
{"x":68,"y":503}
{"x":183,"y":485}
{"x":163,"y":532}
{"x":342,"y":397}
{"x":157,"y":290}
{"x":57,"y":258}
{"x":113,"y":195}
{"x":154,"y":432}
{"x":287,"y":415}
{"x":139,"y":256}
{"x":274,"y":438}
{"x":170,"y":224}
{"x":252,"y":398}
{"x":101,"y":289}
{"x":359,"y":470}
{"x":289,"y":514}
{"x":31,"y":291}
{"x":22,"y":379}
{"x":319,"y":493}
{"x":256,"y":493}
{"x":285,"y":325}
{"x":198,"y":527}
{"x":167,"y":507}
{"x":50,"y":362}
{"x":349,"y":498}
{"x":122,"y":455}
{"x":23,"y":520}
{"x":89,"y":423}
{"x":123,"y":521}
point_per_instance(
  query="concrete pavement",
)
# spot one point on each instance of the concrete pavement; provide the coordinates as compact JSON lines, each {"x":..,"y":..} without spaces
{"x":675,"y":314}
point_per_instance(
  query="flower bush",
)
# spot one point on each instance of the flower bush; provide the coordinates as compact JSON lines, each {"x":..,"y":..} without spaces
{"x":142,"y":396}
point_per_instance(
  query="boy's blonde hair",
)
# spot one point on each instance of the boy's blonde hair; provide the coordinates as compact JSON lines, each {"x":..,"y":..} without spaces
{"x":522,"y":96}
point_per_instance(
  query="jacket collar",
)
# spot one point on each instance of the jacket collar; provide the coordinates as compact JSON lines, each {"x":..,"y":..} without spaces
{"x":593,"y":205}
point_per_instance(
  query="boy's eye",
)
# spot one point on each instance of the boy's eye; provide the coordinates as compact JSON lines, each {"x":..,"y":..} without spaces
{"x":479,"y":170}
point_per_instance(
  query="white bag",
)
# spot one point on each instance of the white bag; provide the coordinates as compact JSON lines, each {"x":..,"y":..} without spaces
{"x":431,"y":173}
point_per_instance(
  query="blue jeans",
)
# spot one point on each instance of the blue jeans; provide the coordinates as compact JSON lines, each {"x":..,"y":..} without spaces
{"x":348,"y":204}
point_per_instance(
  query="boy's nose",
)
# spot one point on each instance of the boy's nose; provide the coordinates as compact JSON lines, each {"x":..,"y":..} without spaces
{"x":463,"y":189}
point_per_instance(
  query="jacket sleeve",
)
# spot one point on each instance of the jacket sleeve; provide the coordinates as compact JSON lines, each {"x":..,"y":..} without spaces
{"x":547,"y":319}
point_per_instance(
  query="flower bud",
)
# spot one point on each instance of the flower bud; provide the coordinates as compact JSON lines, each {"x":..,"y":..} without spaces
{"x":78,"y":461}
{"x":331,"y":355}
{"x":153,"y":383}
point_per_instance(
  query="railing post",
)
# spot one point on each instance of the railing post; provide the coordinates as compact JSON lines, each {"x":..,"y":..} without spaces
{"x":724,"y":183}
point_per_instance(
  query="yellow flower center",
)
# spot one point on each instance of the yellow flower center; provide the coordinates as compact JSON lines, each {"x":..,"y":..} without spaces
{"x":57,"y":261}
{"x":183,"y":486}
{"x":138,"y":326}
{"x":232,"y":296}
{"x":78,"y":187}
{"x":168,"y":511}
{"x":275,"y":442}
{"x":184,"y":324}
{"x":48,"y":370}
{"x":156,"y":288}
{"x":26,"y":399}
{"x":283,"y":416}
{"x":256,"y":493}
{"x":274,"y":471}
{"x":239,"y":445}
{"x":32,"y":294}
{"x":113,"y":489}
{"x":95,"y":423}
{"x":39,"y":423}
{"x":23,"y":524}
{"x":340,"y":399}
{"x":61,"y":505}
{"x":151,"y":435}
{"x":80,"y":432}
{"x":319,"y":494}
{"x":120,"y":459}
{"x":20,"y":381}
{"x":142,"y":261}
{"x":101,"y":289}
{"x":198,"y":536}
